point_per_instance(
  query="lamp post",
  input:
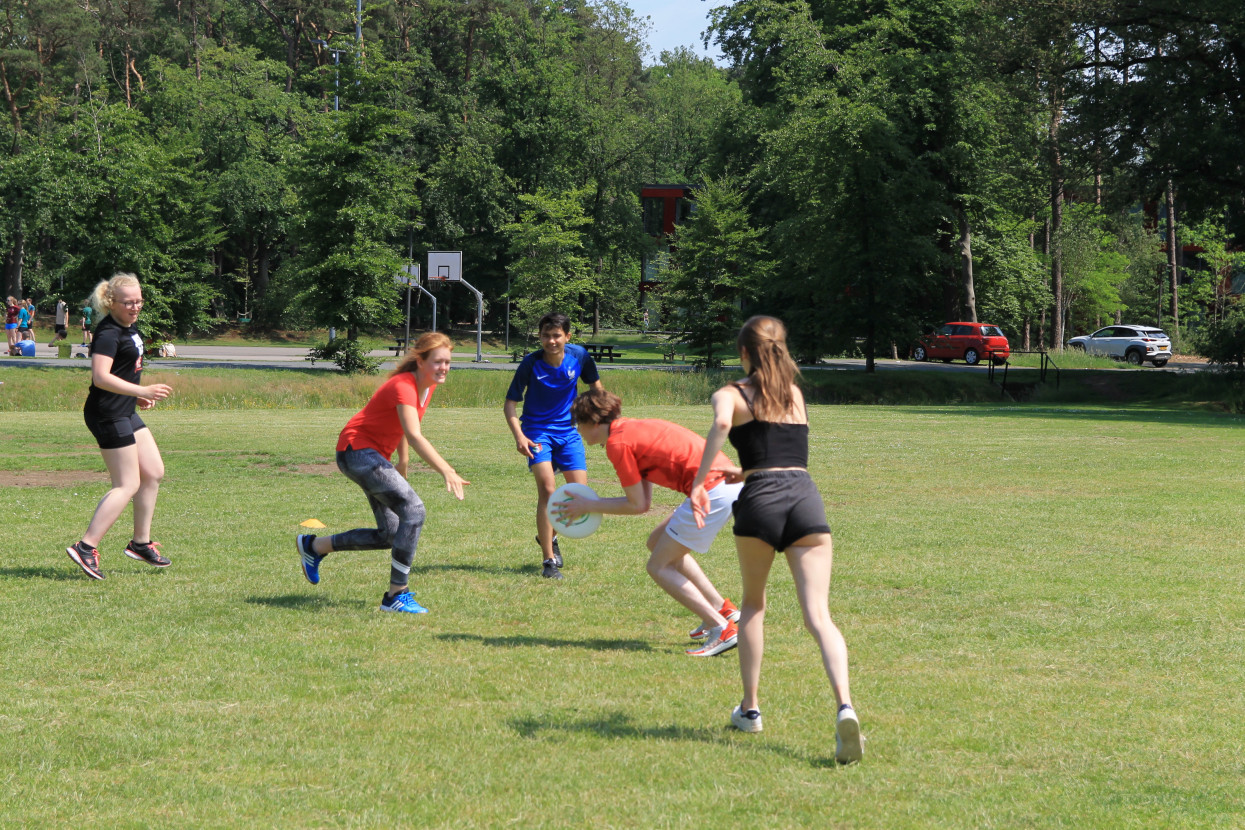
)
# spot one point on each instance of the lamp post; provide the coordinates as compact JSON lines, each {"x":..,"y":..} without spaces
{"x":337,"y":54}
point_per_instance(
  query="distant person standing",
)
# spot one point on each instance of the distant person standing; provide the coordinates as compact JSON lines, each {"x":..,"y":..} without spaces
{"x":62,"y":321}
{"x":87,"y":315}
{"x":130,"y":452}
{"x":10,"y":321}
{"x":25,"y":319}
{"x":646,"y":321}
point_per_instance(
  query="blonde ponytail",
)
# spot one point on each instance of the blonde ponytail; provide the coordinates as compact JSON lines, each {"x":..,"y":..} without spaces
{"x":102,"y":297}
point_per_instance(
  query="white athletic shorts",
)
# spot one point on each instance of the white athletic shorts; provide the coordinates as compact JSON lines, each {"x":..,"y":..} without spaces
{"x":682,"y":527}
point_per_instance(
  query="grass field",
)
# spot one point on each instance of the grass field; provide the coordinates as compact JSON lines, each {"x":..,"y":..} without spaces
{"x":1043,"y":607}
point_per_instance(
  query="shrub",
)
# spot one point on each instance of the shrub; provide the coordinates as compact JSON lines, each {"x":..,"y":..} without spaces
{"x":349,"y":355}
{"x":1223,"y":341}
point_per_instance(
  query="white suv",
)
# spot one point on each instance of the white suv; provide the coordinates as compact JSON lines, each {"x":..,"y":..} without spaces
{"x":1136,"y":344}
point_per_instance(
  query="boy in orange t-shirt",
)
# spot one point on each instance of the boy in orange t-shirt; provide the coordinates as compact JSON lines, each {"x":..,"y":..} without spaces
{"x":648,"y":452}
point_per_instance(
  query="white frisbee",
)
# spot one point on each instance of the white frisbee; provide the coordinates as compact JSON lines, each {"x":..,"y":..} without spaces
{"x":580,"y":526}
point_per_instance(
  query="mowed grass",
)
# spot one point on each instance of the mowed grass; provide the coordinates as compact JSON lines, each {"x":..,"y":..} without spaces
{"x":1043,"y":607}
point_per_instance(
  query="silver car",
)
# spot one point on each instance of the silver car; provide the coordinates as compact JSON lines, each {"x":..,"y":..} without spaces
{"x":1136,"y":344}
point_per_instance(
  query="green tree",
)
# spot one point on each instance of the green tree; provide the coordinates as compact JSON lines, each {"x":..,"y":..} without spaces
{"x":1222,"y":341}
{"x":549,"y":271}
{"x":356,"y":198}
{"x":712,"y":273}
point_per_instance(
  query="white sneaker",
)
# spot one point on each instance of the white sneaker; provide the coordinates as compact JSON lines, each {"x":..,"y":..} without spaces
{"x":749,"y":721}
{"x":728,"y":610}
{"x":721,"y":638}
{"x":849,"y":745}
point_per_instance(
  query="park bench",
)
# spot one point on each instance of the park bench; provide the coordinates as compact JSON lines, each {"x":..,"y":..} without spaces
{"x":671,"y":351}
{"x":602,"y":350}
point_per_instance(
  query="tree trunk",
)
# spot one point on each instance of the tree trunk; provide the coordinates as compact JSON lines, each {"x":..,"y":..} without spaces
{"x":966,"y":259}
{"x":13,"y":260}
{"x":1097,"y":142}
{"x":1056,"y":219}
{"x":1045,"y":306}
{"x":1173,"y":259}
{"x":261,"y":276}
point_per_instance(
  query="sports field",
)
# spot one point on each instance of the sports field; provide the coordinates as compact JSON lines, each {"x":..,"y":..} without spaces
{"x":1043,"y":606}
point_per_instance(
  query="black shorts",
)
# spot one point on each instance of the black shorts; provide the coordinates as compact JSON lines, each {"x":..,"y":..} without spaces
{"x":780,"y":507}
{"x":114,"y":433}
{"x":61,"y":330}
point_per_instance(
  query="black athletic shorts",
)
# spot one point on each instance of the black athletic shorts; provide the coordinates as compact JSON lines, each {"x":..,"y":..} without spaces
{"x":61,"y":331}
{"x":779,"y":507}
{"x":114,"y":433}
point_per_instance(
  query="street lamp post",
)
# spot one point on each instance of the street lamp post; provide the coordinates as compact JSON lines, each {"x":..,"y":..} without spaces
{"x":337,"y":54}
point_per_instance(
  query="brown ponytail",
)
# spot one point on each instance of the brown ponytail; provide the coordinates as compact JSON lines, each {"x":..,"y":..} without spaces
{"x":764,"y":340}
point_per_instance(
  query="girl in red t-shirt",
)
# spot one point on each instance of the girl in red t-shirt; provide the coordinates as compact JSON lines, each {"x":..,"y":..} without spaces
{"x":389,"y":421}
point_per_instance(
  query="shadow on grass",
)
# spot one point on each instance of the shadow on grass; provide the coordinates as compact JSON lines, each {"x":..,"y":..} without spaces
{"x":488,"y":569}
{"x":621,"y":725}
{"x":45,"y":572}
{"x":551,"y":642}
{"x":306,"y":602}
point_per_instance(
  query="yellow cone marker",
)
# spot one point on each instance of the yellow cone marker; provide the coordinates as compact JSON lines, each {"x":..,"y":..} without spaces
{"x":313,"y":523}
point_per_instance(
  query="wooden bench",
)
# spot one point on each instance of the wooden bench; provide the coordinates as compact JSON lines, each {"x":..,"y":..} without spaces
{"x":600,"y":351}
{"x":399,"y":349}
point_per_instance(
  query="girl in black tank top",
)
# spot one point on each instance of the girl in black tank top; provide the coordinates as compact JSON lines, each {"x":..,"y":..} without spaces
{"x":124,"y":440}
{"x":763,"y":444}
{"x":779,"y":509}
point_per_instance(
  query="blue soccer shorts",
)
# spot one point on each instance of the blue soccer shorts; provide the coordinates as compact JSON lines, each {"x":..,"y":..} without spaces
{"x":564,"y":449}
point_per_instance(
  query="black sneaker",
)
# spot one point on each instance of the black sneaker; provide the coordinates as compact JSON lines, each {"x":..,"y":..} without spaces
{"x":147,"y":552}
{"x":557,"y":551}
{"x":549,"y":571}
{"x":87,"y":559}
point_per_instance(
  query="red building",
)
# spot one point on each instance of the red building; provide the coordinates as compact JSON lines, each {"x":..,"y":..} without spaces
{"x":663,"y":207}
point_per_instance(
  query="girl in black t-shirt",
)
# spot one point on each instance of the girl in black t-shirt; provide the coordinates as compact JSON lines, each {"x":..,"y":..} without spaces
{"x":129,"y":450}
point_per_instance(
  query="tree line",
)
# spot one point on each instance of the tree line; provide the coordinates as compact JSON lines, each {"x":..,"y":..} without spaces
{"x":863,"y":170}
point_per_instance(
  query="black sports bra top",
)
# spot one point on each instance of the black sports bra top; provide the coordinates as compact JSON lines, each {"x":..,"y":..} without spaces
{"x":762,"y":444}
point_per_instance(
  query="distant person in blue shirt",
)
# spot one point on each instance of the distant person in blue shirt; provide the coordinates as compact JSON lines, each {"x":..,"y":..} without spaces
{"x":545,"y":434}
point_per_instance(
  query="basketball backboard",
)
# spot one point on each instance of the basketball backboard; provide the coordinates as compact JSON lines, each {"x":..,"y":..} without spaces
{"x":445,"y":266}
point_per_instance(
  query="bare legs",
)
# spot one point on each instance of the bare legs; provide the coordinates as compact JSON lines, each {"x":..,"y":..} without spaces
{"x":546,"y":483}
{"x":672,"y":567}
{"x":810,"y":561}
{"x":136,"y":472}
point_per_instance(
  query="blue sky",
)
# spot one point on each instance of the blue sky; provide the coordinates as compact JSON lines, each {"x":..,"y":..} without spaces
{"x":676,"y":23}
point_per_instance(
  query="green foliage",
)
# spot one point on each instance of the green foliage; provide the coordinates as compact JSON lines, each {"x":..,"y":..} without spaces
{"x":351,"y":356}
{"x":713,"y":270}
{"x":1094,"y":268}
{"x":1222,"y":340}
{"x":549,"y":270}
{"x":356,"y":196}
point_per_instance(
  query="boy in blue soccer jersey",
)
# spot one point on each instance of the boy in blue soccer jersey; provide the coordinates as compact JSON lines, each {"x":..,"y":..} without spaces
{"x":546,"y":434}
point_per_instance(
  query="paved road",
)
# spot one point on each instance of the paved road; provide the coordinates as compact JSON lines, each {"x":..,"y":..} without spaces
{"x":281,"y":357}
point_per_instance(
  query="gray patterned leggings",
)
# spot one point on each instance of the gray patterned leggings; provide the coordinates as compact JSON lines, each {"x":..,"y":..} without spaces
{"x":398,"y":510}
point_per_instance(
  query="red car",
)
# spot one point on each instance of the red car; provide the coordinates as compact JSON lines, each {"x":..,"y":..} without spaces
{"x":970,"y":342}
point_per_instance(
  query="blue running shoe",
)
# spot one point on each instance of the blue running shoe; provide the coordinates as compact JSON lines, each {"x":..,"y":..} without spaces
{"x":404,"y":602}
{"x":310,"y":559}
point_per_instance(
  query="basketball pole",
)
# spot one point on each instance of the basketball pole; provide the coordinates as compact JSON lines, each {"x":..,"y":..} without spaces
{"x":479,"y":319}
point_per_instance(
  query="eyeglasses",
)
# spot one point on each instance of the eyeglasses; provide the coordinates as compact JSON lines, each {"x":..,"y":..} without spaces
{"x":132,"y":303}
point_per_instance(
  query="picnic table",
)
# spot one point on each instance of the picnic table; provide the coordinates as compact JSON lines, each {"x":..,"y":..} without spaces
{"x":400,"y":348}
{"x":600,"y":351}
